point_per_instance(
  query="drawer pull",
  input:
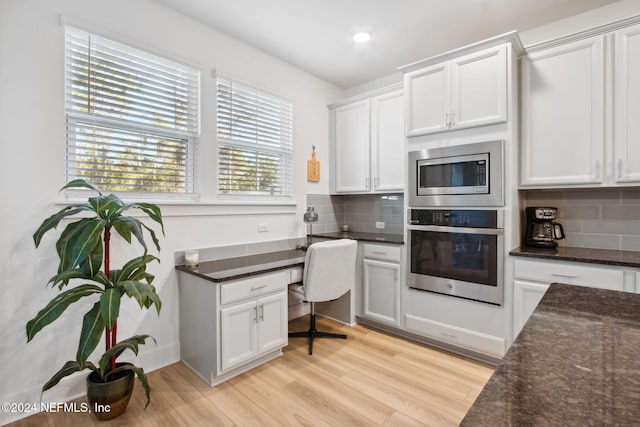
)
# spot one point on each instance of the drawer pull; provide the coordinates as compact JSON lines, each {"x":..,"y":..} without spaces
{"x":379,"y":252}
{"x":255,"y":288}
{"x":448,"y":335}
{"x":566,"y":276}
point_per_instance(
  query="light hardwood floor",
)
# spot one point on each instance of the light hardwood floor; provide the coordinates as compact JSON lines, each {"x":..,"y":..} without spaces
{"x":371,"y":379}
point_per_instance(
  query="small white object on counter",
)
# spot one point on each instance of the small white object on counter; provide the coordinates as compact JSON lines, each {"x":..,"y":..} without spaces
{"x":191,"y":258}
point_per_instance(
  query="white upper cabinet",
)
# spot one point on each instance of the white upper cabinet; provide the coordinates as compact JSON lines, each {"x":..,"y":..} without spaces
{"x":580,"y":109}
{"x":352,"y":147}
{"x":368,"y":139}
{"x":479,"y":88}
{"x":428,"y":100}
{"x":627,"y":105}
{"x":387,"y":141}
{"x":562,"y":110}
{"x":466,"y":91}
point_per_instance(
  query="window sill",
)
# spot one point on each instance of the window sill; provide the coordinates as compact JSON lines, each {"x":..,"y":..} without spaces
{"x":185,"y":208}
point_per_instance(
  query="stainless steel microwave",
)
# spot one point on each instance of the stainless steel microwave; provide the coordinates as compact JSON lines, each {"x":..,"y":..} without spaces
{"x":459,"y":175}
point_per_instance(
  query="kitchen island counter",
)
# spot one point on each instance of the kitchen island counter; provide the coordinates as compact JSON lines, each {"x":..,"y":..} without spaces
{"x":575,"y":362}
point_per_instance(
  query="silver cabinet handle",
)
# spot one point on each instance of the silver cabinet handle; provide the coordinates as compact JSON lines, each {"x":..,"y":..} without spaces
{"x":447,"y":122}
{"x":379,"y":252}
{"x":453,"y":119}
{"x":376,"y":182}
{"x":262,"y":312}
{"x":255,"y":288}
{"x":619,"y":168}
{"x":449,"y":335}
{"x":566,"y":276}
{"x":366,"y":183}
{"x":255,"y":314}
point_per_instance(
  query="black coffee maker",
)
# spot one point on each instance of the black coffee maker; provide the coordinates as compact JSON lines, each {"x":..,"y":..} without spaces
{"x":542,"y":231}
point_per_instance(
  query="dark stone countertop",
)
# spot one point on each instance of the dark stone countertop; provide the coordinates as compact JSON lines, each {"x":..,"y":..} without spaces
{"x":251,"y":265}
{"x":245,"y":266}
{"x":394,"y":239}
{"x":591,"y":256}
{"x":575,"y":363}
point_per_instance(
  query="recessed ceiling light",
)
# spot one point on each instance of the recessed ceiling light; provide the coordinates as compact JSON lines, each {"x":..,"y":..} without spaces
{"x":362,"y":36}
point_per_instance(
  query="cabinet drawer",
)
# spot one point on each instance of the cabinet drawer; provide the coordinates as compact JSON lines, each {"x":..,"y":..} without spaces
{"x":247,"y":288}
{"x":296,"y":275}
{"x":570,"y":273}
{"x":384,"y":252}
{"x":465,"y":338}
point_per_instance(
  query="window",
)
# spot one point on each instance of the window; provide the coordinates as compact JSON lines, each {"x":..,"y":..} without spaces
{"x":132,"y":117}
{"x":255,"y":142}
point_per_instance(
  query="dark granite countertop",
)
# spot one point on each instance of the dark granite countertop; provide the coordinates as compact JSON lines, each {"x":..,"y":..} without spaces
{"x":394,"y":239}
{"x":592,"y":256}
{"x":575,"y":363}
{"x":250,"y":265}
{"x":245,"y":266}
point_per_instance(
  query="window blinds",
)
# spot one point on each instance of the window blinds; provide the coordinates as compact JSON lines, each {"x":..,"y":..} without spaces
{"x":132,"y":117}
{"x":255,"y":142}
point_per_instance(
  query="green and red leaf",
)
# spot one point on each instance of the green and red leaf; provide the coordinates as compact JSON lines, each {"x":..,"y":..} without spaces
{"x":57,"y":306}
{"x":110,"y":306}
{"x":91,"y":333}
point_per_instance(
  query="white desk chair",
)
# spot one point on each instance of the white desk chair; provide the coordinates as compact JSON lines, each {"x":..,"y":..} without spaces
{"x":329,"y":273}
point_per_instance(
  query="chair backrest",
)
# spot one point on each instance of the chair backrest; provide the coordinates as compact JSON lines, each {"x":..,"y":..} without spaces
{"x":329,"y":269}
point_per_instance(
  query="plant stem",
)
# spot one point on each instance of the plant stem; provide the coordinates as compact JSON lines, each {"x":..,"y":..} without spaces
{"x":110,"y":335}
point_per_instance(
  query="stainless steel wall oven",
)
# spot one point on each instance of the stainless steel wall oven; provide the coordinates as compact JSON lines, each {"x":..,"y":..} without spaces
{"x":457,"y":252}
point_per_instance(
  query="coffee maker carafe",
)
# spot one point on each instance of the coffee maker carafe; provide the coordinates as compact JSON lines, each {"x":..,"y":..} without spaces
{"x":542,"y":231}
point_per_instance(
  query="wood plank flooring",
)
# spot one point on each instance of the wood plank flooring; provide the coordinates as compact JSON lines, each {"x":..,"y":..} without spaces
{"x":371,"y":379}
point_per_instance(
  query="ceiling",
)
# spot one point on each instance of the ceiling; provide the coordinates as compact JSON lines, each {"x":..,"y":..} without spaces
{"x":315,"y":35}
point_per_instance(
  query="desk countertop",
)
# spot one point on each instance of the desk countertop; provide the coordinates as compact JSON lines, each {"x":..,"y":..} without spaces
{"x":245,"y":266}
{"x":393,"y":239}
{"x":575,"y":362}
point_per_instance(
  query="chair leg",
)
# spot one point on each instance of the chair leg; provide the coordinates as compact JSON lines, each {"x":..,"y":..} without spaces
{"x":313,"y":332}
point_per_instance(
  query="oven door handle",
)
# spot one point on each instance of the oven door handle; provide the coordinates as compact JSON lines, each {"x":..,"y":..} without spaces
{"x":462,"y":230}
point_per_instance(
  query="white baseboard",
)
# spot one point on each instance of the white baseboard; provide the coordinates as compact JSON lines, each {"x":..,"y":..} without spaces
{"x":74,"y":386}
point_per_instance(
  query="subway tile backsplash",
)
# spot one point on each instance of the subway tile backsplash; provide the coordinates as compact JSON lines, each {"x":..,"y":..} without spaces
{"x":594,"y":218}
{"x":360,"y":212}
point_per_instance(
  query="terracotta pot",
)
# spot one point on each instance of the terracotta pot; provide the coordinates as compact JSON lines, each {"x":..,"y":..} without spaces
{"x":109,"y":400}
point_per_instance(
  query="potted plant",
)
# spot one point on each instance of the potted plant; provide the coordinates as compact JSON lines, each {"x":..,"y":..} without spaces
{"x":84,"y":271}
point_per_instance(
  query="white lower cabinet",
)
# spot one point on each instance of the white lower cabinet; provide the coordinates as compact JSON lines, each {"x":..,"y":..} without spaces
{"x":250,"y":328}
{"x":526,"y":296}
{"x":227,"y":328}
{"x":381,"y":283}
{"x":533,"y":277}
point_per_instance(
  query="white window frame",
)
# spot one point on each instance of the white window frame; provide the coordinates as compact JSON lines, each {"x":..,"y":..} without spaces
{"x":226,"y":139}
{"x":184,"y":136}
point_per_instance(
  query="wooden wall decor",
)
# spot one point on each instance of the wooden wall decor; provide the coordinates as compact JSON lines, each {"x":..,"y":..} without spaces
{"x":313,"y":167}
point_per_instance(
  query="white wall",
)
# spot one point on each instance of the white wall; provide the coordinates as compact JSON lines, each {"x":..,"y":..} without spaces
{"x":619,"y":10}
{"x":32,"y":155}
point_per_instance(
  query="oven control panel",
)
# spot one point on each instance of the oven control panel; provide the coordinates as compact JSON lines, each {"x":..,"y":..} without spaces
{"x":454,"y":217}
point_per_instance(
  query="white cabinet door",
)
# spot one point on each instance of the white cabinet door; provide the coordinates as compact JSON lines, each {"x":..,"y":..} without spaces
{"x":479,"y":88}
{"x":387,"y":141}
{"x":627,"y":105}
{"x":562,"y":101}
{"x":428,"y":100}
{"x":238,"y":334}
{"x":382,"y":291}
{"x":272,"y":322}
{"x":352,"y":147}
{"x":526,"y":296}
